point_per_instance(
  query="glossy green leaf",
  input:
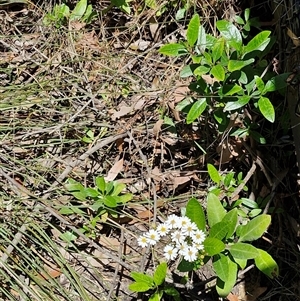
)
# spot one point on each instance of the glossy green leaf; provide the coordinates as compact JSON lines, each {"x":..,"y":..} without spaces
{"x":254,"y":212}
{"x":213,"y":173}
{"x":122,"y":4}
{"x":79,"y":10}
{"x":225,"y":287}
{"x":266,"y":108}
{"x":186,"y":71}
{"x":185,"y":266}
{"x":91,"y":192}
{"x":218,"y":72}
{"x":201,"y":70}
{"x":219,"y":230}
{"x":213,"y":246}
{"x":171,"y":291}
{"x":259,"y":83}
{"x":124,"y":198}
{"x":110,"y":201}
{"x":234,"y":90}
{"x":255,"y":228}
{"x":249,"y":203}
{"x":118,"y":188}
{"x":195,"y":213}
{"x":259,"y":42}
{"x":266,"y":264}
{"x":140,"y":277}
{"x":276,"y":83}
{"x":202,"y":39}
{"x":218,"y":49}
{"x":234,"y":65}
{"x":100,"y":183}
{"x":243,"y":251}
{"x":234,"y":105}
{"x":156,"y":296}
{"x":241,"y":262}
{"x":215,"y":210}
{"x":173,"y":49}
{"x":231,"y":219}
{"x":230,"y":33}
{"x":196,"y":110}
{"x":139,"y":287}
{"x":160,"y":273}
{"x":192,"y":30}
{"x":220,"y":264}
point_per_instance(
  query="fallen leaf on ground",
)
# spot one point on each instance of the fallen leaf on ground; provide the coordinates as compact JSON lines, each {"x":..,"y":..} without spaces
{"x":115,"y":170}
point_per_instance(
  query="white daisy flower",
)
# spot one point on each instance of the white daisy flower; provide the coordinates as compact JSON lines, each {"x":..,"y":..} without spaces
{"x":182,"y":247}
{"x":199,"y":247}
{"x":178,"y":237}
{"x":143,"y":241}
{"x":153,"y":237}
{"x":190,"y":254}
{"x":189,"y":229}
{"x":183,"y":222}
{"x":170,"y":252}
{"x":198,"y":236}
{"x":162,"y":229}
{"x":172,"y":221}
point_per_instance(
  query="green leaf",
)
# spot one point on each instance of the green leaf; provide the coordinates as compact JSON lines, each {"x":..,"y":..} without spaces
{"x":266,"y":264}
{"x":213,"y":246}
{"x":234,"y":90}
{"x":186,"y":71}
{"x":255,"y":228}
{"x":171,"y":291}
{"x":79,"y":10}
{"x":219,"y":230}
{"x":156,"y":296}
{"x":241,"y":262}
{"x":91,"y":192}
{"x":231,"y":34}
{"x":225,"y":287}
{"x":118,"y":188}
{"x":266,"y":108}
{"x":110,"y":201}
{"x":196,"y":110}
{"x":254,"y":212}
{"x":141,"y":277}
{"x":213,"y":174}
{"x":218,"y":72}
{"x":160,"y":274}
{"x":243,"y":251}
{"x":122,"y":4}
{"x":139,"y":287}
{"x":68,"y":236}
{"x":231,"y":219}
{"x":192,"y":30}
{"x":151,"y":4}
{"x":259,"y":83}
{"x":124,"y":198}
{"x":185,"y":266}
{"x":249,"y":203}
{"x":100,"y":183}
{"x":220,"y":264}
{"x":234,"y":105}
{"x":276,"y":83}
{"x":215,"y":210}
{"x":173,"y":49}
{"x":199,"y":71}
{"x":217,"y":49}
{"x":195,"y":213}
{"x":234,"y":65}
{"x":201,"y":41}
{"x":259,"y":42}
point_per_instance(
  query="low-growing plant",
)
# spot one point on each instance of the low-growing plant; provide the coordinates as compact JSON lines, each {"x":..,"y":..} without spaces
{"x":61,"y":14}
{"x":101,"y":201}
{"x":219,"y":234}
{"x":154,"y":284}
{"x":229,"y":74}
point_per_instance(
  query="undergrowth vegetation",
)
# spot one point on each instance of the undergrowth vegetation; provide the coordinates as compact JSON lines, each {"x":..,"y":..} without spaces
{"x":146,"y":151}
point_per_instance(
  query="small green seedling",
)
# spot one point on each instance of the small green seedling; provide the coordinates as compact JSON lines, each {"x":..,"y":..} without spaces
{"x":102,"y":201}
{"x":155,"y":284}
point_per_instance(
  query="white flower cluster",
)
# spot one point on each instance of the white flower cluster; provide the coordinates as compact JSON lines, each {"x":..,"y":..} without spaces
{"x":186,"y":239}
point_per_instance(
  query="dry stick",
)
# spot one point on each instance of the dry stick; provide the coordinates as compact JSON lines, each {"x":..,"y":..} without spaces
{"x":113,"y":283}
{"x":246,"y":179}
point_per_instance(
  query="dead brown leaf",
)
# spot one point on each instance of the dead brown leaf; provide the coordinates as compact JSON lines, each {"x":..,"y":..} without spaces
{"x":232,"y":297}
{"x":253,"y":295}
{"x":157,"y":127}
{"x":115,"y":170}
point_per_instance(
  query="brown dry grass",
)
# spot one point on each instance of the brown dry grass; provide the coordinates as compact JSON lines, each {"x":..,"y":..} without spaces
{"x":107,"y":77}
